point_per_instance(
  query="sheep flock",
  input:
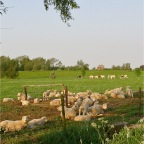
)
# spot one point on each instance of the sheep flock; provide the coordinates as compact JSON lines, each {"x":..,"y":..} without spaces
{"x":82,"y":106}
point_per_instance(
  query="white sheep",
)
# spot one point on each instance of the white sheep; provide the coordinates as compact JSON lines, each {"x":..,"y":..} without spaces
{"x":25,"y":102}
{"x":102,"y":76}
{"x":78,"y":102}
{"x":46,"y":94}
{"x":91,"y":77}
{"x":9,"y":125}
{"x":97,"y":109}
{"x":55,"y":102}
{"x":96,"y":77}
{"x":21,"y":96}
{"x":111,"y":76}
{"x":36,"y":100}
{"x":129,"y":92}
{"x":70,"y":113}
{"x":83,"y":118}
{"x":7,"y":99}
{"x":37,"y":122}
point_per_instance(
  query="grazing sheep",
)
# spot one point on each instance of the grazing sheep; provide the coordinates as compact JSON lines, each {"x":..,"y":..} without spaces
{"x":7,"y":99}
{"x":96,"y":77}
{"x":123,"y":76}
{"x":102,"y":76}
{"x":37,"y":122}
{"x":82,"y":118}
{"x":111,"y":76}
{"x":9,"y":125}
{"x":25,"y":102}
{"x":91,"y":77}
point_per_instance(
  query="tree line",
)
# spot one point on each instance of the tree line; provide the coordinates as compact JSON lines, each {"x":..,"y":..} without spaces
{"x":10,"y":67}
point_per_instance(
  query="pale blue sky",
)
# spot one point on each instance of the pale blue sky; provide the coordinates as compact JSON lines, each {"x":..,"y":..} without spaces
{"x":108,"y":32}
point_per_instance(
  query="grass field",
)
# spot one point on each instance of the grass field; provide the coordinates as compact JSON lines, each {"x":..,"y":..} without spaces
{"x":76,"y":132}
{"x":10,"y":87}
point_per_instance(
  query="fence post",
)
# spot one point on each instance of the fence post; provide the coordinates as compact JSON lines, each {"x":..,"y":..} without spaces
{"x":25,"y":91}
{"x":63,"y":113}
{"x":140,"y":103}
{"x":66,"y":95}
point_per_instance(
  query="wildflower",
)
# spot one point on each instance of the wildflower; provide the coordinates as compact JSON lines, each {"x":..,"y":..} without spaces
{"x":107,"y":140}
{"x":141,"y":120}
{"x":106,"y":121}
{"x":94,"y":125}
{"x":111,"y":126}
{"x":100,"y":119}
{"x":80,"y":141}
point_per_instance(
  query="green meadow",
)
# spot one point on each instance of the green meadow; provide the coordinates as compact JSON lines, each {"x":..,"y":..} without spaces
{"x":10,"y":87}
{"x":52,"y":132}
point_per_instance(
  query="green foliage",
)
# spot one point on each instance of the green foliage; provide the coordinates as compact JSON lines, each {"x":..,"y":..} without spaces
{"x":12,"y":71}
{"x":4,"y":65}
{"x":83,"y":70}
{"x":63,"y":6}
{"x":138,"y":72}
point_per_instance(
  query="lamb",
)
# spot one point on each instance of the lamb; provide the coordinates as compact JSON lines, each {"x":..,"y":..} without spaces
{"x":9,"y":125}
{"x":37,"y":122}
{"x":7,"y":99}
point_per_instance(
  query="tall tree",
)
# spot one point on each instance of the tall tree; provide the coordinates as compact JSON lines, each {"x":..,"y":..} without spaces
{"x":81,"y":64}
{"x":38,"y":63}
{"x":23,"y":60}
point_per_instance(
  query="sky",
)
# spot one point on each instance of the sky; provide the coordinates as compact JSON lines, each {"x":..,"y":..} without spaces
{"x":108,"y":32}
